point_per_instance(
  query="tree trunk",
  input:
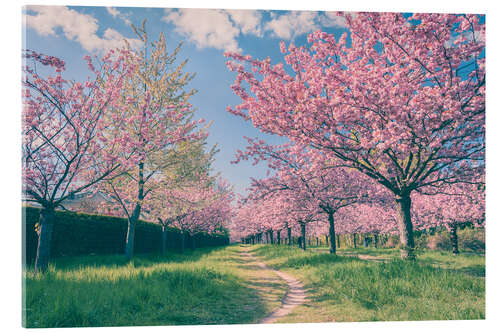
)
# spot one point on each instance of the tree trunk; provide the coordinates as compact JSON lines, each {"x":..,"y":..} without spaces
{"x":326,"y":238}
{"x":354,"y":240}
{"x":331,"y":231}
{"x":338,"y":241}
{"x":454,"y":238}
{"x":365,"y":241}
{"x":271,"y":235}
{"x":278,"y":236}
{"x":193,"y":242}
{"x":129,"y":242}
{"x":289,"y":231}
{"x":375,"y":239}
{"x":267,"y":237}
{"x":303,"y":232}
{"x":183,"y":239}
{"x":163,"y":240}
{"x":46,"y":227}
{"x":405,"y":227}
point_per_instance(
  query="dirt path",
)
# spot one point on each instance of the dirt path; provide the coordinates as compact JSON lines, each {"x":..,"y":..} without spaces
{"x":294,"y":296}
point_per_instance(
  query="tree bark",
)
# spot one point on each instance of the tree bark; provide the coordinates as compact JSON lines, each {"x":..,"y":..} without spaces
{"x":338,"y":241}
{"x":278,"y":236}
{"x":454,"y":238}
{"x":354,"y":240}
{"x":46,"y":225}
{"x":317,"y":241}
{"x":267,"y":237}
{"x":331,"y":231}
{"x":129,"y":242}
{"x":289,"y":231}
{"x":183,"y":240}
{"x":326,"y":238}
{"x":303,"y":232}
{"x":405,"y":227}
{"x":271,"y":236}
{"x":375,"y":239}
{"x":163,"y":240}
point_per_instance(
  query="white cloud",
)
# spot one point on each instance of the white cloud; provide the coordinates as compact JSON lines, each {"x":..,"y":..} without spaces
{"x":248,"y":21}
{"x":220,"y":28}
{"x":292,"y":24}
{"x":205,"y":27}
{"x":332,"y":19}
{"x":117,"y":14}
{"x":75,"y":26}
{"x":113,"y":11}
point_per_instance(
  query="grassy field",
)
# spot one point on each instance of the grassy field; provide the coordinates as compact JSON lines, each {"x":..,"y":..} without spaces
{"x":379,"y":287}
{"x":219,"y":286}
{"x":209,"y":286}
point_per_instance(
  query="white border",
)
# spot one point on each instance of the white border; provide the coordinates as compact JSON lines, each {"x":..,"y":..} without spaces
{"x":10,"y":234}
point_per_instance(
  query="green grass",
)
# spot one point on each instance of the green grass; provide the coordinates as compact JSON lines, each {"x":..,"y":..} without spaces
{"x":219,"y":286}
{"x":438,"y":286}
{"x":210,"y":286}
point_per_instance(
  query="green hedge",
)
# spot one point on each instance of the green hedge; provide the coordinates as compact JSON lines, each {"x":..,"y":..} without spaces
{"x":83,"y":234}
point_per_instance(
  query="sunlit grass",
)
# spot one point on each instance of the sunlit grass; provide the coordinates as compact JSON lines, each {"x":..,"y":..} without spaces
{"x":218,"y":286}
{"x":439,"y":286}
{"x":202,"y":287}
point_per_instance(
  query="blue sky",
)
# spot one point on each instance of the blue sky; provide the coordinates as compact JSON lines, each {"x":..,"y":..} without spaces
{"x":73,"y":32}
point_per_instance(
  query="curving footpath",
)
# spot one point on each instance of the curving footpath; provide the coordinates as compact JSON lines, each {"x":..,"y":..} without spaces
{"x":294,"y":296}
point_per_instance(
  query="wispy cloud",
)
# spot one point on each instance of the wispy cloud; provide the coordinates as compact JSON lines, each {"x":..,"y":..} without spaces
{"x":75,"y":26}
{"x":332,"y":19}
{"x":113,"y":11}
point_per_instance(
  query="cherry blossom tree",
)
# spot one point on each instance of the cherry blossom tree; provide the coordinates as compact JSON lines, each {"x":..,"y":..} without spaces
{"x":61,"y":124}
{"x":276,"y":209}
{"x":189,"y":174}
{"x":310,"y":174}
{"x":154,"y":120}
{"x":400,"y":98}
{"x":201,"y":207}
{"x":454,"y":205}
{"x":368,"y":218}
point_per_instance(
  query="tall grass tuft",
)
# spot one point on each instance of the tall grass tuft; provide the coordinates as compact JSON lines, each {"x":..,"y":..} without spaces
{"x":198,"y":287}
{"x":438,"y":286}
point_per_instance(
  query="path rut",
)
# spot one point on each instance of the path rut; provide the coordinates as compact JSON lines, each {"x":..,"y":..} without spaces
{"x":295,"y":295}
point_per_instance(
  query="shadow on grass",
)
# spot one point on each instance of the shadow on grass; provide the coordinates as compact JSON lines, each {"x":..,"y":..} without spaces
{"x":179,"y":295}
{"x":317,"y":259}
{"x":476,"y":270}
{"x":118,"y":260}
